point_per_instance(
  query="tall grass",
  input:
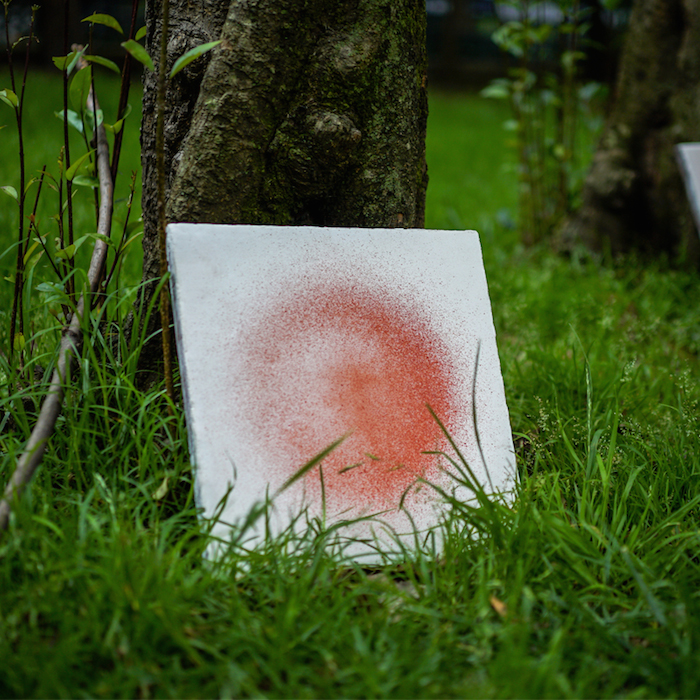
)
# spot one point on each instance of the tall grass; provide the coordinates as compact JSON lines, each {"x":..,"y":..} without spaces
{"x":587,"y":585}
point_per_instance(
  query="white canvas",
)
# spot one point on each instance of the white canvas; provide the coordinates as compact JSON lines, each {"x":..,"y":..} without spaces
{"x":290,"y":338}
{"x":688,"y":157}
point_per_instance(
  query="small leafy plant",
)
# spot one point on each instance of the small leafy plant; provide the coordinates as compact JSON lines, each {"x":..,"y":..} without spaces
{"x":75,"y":290}
{"x":549,"y":106}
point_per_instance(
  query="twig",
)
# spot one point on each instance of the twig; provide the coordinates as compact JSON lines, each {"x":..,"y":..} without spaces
{"x":71,"y":339}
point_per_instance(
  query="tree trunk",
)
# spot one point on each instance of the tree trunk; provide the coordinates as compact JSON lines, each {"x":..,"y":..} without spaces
{"x":633,"y":197}
{"x":308,"y":112}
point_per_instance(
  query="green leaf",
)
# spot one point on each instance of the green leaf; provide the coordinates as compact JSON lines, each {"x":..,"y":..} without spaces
{"x":160,"y":493}
{"x":61,"y":62}
{"x":139,"y":53}
{"x":86,"y":181}
{"x":133,"y":238}
{"x":118,"y":125}
{"x":8,"y":189}
{"x":55,"y":291}
{"x":590,"y":90}
{"x":114,"y":128}
{"x":29,"y":264}
{"x":549,"y":97}
{"x":140,"y":34}
{"x":68,"y":63}
{"x":70,"y":173}
{"x":104,"y":62}
{"x":570,"y":58}
{"x":191,"y":55}
{"x":19,"y":343}
{"x":496,"y":91}
{"x":73,"y":119}
{"x":79,"y":241}
{"x":540,"y":34}
{"x":90,"y":118}
{"x":9,"y":98}
{"x":77,"y":55}
{"x":134,"y":226}
{"x":30,"y":250}
{"x":65,"y":253}
{"x":510,"y":38}
{"x":79,"y":88}
{"x":101,"y":237}
{"x":107,"y":20}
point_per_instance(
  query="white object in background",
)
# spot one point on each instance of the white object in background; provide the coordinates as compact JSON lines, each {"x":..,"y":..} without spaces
{"x":545,"y":12}
{"x":292,"y":337}
{"x":688,"y":157}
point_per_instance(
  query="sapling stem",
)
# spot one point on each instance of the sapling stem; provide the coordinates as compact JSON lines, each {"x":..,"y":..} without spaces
{"x":120,"y":247}
{"x":8,"y":46}
{"x":17,"y":312}
{"x":61,"y":229}
{"x":71,"y":339}
{"x":124,"y":94}
{"x":160,"y":168}
{"x":32,"y":223}
{"x":83,"y":64}
{"x":545,"y":104}
{"x":66,"y":141}
{"x":32,"y":216}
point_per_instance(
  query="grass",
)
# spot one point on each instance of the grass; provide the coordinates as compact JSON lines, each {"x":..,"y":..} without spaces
{"x":587,"y":586}
{"x":472,"y":171}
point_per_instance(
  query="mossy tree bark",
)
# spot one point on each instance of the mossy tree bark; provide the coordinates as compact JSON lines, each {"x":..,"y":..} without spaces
{"x":633,"y":197}
{"x":308,"y":112}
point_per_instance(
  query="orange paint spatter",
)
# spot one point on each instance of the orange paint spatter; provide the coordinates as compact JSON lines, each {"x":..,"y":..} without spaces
{"x":342,"y":360}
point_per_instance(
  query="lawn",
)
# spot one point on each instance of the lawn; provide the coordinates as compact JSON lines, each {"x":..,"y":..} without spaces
{"x":586,"y":586}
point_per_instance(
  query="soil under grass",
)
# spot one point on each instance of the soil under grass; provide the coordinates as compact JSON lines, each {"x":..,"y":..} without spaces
{"x":587,"y":586}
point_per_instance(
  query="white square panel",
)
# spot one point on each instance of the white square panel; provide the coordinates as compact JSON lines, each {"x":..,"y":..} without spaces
{"x":688,"y":157}
{"x":290,"y":338}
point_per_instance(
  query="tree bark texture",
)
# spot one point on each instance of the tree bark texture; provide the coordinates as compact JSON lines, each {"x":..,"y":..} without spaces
{"x":633,"y":197}
{"x":308,"y":112}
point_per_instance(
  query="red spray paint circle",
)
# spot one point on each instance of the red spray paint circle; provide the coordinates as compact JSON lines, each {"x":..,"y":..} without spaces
{"x":345,"y":359}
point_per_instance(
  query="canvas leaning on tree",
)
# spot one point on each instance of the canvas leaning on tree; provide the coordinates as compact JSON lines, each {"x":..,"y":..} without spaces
{"x":292,"y":339}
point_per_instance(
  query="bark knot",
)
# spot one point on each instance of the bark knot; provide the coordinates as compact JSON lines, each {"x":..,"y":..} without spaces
{"x":334,"y":133}
{"x":611,"y":177}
